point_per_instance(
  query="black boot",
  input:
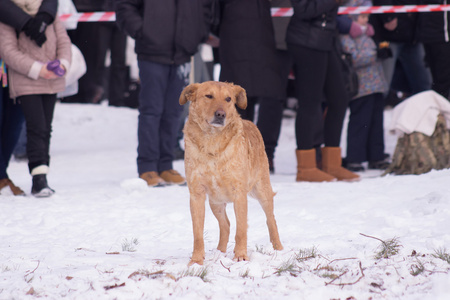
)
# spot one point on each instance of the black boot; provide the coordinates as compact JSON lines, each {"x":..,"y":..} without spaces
{"x":40,"y":186}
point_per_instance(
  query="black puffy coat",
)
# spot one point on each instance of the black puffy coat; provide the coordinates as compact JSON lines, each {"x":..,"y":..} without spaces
{"x":166,"y":31}
{"x":434,"y":27}
{"x":247,"y":47}
{"x":15,"y":17}
{"x":313,"y":24}
{"x":406,"y":31}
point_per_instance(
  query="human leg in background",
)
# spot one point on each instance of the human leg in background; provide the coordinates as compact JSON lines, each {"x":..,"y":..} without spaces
{"x":439,"y":62}
{"x":20,"y":151}
{"x":310,"y":68}
{"x":118,"y":76}
{"x":200,"y":74}
{"x":389,"y":63}
{"x":38,"y":111}
{"x":269,"y":124}
{"x":249,"y":112}
{"x":85,"y":37}
{"x":179,"y":152}
{"x":11,"y":120}
{"x":178,"y":79}
{"x":375,"y":145}
{"x":412,"y":58}
{"x":159,"y":113}
{"x":337,"y":101}
{"x":358,"y":130}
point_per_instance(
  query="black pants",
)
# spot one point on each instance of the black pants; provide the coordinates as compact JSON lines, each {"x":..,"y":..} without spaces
{"x":38,"y":111}
{"x":86,"y":38}
{"x":438,"y":58}
{"x":318,"y":76}
{"x":365,"y":135}
{"x":270,"y":115}
{"x":112,"y":38}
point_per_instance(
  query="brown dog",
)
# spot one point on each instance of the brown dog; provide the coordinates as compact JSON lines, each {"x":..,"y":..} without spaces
{"x":224,"y":159}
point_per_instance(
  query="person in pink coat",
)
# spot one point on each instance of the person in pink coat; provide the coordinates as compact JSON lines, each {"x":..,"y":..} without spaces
{"x":36,"y":75}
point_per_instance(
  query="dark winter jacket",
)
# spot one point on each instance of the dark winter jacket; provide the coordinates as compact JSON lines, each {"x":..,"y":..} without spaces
{"x":434,"y":27}
{"x":313,"y":24}
{"x":109,"y":5}
{"x":166,"y":31}
{"x":280,"y":24}
{"x":15,"y":17}
{"x":406,"y":31}
{"x":247,"y":47}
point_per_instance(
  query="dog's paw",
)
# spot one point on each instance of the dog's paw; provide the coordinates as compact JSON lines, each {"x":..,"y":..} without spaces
{"x":241,"y":257}
{"x":196,"y":261}
{"x":277,"y":246}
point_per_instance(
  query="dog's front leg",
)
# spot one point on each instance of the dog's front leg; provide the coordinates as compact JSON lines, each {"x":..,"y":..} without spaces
{"x":240,"y":209}
{"x":197,"y":204}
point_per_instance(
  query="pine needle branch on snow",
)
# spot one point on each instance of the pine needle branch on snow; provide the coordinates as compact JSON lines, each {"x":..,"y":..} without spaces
{"x":387,"y":248}
{"x":441,"y":253}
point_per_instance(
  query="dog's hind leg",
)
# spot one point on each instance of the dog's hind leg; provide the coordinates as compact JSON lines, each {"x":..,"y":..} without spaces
{"x":264,"y":194}
{"x":219,"y":211}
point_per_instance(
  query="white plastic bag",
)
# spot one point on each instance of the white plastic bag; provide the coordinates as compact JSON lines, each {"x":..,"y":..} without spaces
{"x":76,"y":70}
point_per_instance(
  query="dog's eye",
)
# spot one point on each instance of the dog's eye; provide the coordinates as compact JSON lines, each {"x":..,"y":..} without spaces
{"x":228,"y":99}
{"x":209,"y":96}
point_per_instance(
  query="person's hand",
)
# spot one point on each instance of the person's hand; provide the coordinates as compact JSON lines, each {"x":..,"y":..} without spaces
{"x":213,"y":41}
{"x":35,"y":27}
{"x":383,"y":53}
{"x":47,"y":74}
{"x":391,"y":25}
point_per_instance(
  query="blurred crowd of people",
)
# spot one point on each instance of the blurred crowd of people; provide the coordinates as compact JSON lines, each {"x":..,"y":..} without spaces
{"x":284,"y":63}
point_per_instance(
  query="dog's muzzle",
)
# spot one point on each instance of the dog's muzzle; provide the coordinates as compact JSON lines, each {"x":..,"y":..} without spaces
{"x":219,"y":118}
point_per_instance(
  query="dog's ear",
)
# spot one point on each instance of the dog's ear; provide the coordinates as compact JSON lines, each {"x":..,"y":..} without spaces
{"x":189,"y":93}
{"x":241,"y":97}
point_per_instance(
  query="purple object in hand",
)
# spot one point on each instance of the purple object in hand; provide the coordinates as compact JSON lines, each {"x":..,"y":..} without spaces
{"x":55,"y":67}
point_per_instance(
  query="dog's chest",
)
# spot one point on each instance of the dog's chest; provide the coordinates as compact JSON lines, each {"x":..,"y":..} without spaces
{"x":222,"y":177}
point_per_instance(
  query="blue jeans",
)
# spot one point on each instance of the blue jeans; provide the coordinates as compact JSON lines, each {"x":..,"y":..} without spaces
{"x":411,"y":57}
{"x":11,"y":120}
{"x":159,"y":114}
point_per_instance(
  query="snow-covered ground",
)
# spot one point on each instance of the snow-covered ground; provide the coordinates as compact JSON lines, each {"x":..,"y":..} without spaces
{"x":106,"y":235}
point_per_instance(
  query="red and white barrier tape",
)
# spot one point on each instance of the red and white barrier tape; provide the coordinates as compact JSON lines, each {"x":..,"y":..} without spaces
{"x":109,"y":16}
{"x":101,"y":16}
{"x":287,"y":12}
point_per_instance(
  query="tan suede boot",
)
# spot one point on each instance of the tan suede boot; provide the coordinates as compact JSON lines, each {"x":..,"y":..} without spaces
{"x":307,"y":169}
{"x":332,"y":164}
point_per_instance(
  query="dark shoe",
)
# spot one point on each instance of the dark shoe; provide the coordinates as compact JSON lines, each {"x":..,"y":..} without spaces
{"x":354,"y":167}
{"x":40,"y":186}
{"x":379,"y":165}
